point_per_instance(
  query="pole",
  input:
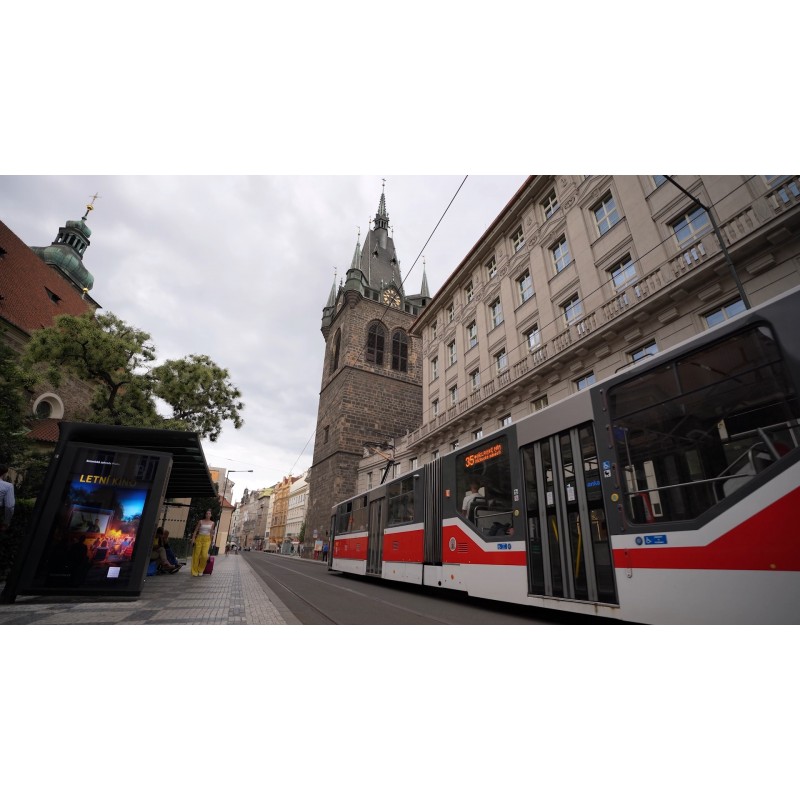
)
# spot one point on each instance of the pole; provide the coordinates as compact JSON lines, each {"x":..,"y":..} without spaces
{"x":718,"y":234}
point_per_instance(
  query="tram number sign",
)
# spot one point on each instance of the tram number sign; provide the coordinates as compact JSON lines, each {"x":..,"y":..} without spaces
{"x":483,"y":455}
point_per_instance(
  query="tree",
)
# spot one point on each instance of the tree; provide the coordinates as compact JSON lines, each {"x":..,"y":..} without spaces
{"x":13,"y":385}
{"x":116,"y":358}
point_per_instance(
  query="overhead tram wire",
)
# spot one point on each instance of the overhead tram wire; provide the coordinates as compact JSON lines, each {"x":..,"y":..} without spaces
{"x":402,"y":282}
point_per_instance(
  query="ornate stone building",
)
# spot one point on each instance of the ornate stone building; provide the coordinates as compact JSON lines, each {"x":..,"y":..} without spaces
{"x":371,"y":389}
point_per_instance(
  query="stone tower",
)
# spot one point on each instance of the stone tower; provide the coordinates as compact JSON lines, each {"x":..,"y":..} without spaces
{"x":372,"y":373}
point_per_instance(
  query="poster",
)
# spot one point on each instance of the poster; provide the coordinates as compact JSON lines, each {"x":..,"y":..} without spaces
{"x":97,"y":527}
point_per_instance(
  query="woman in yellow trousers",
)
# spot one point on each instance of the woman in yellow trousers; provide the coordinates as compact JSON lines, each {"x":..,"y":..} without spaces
{"x":201,"y":541}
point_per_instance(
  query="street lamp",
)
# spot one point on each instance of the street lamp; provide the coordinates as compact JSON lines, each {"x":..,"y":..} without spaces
{"x":228,"y":473}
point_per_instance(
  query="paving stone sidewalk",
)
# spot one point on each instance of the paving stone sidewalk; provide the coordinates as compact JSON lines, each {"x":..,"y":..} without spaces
{"x":232,"y":595}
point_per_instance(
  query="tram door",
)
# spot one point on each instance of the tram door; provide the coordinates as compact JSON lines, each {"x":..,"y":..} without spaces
{"x":569,"y":553}
{"x":375,"y":538}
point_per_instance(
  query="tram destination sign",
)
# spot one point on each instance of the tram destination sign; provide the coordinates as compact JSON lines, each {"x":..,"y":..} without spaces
{"x":486,"y":454}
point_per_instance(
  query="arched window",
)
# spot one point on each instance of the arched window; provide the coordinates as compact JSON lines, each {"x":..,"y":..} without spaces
{"x":400,"y":351}
{"x":337,"y":340}
{"x":376,"y":343}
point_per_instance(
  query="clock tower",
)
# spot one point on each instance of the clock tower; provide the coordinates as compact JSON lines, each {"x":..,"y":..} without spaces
{"x":371,"y":388}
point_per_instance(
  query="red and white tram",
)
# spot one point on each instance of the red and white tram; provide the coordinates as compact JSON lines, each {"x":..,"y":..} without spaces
{"x":669,"y":493}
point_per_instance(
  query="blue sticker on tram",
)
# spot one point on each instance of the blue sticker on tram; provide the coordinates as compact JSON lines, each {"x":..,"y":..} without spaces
{"x":503,"y":545}
{"x":658,"y":539}
{"x":606,"y":465}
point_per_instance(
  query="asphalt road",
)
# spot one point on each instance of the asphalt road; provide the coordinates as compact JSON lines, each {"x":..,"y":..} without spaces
{"x":319,"y":597}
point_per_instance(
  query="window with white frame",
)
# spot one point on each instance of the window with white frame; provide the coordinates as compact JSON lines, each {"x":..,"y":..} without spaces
{"x":645,"y":351}
{"x":550,"y":204}
{"x":573,"y":309}
{"x":451,"y":312}
{"x":454,"y":445}
{"x":435,"y":455}
{"x":475,"y":379}
{"x":533,"y":337}
{"x":690,"y":226}
{"x":414,"y":463}
{"x":435,"y":407}
{"x":723,"y":312}
{"x":434,"y":368}
{"x":501,"y":361}
{"x":623,"y":273}
{"x":451,"y":353}
{"x":560,"y":254}
{"x":434,"y":327}
{"x":477,"y":434}
{"x":495,"y":313}
{"x":469,"y":292}
{"x":525,"y":286}
{"x":472,"y":334}
{"x":606,"y":213}
{"x":505,"y":420}
{"x":369,"y":480}
{"x":585,"y":381}
{"x":539,"y":403}
{"x":491,"y":268}
{"x":517,"y":239}
{"x":453,"y":392}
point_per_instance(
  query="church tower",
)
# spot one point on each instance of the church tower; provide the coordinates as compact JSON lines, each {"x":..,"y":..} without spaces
{"x":371,"y":388}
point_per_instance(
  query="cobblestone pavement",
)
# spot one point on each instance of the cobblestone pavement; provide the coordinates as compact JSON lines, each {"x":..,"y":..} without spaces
{"x":232,"y":595}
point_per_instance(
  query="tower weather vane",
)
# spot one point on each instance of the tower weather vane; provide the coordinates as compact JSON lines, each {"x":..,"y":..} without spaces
{"x":90,"y":204}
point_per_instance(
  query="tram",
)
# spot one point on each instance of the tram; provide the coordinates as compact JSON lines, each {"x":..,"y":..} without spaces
{"x":666,"y":494}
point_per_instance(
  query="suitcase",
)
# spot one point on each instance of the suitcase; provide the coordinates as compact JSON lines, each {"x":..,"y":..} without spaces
{"x":209,"y":566}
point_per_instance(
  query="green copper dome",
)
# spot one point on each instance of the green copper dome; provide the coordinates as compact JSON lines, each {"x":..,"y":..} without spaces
{"x":66,"y":252}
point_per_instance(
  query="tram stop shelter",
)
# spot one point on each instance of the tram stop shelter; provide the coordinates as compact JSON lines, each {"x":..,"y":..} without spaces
{"x":93,"y":524}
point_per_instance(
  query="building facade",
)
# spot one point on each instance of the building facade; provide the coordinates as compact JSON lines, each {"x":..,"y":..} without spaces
{"x":580,"y":276}
{"x":371,"y":389}
{"x":297,"y":507}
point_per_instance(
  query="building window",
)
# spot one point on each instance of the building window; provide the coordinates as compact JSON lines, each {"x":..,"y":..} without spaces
{"x":496,"y":313}
{"x":658,"y":180}
{"x":435,"y":408}
{"x":539,"y":403}
{"x":525,"y":285}
{"x":505,"y":421}
{"x":690,"y":226}
{"x":585,"y":381}
{"x":400,"y":351}
{"x":623,"y":273}
{"x":645,"y":351}
{"x":475,"y":379}
{"x":533,"y":337}
{"x":573,"y":309}
{"x":327,"y":433}
{"x":606,"y":214}
{"x":376,"y":339}
{"x":453,"y":390}
{"x":434,"y":326}
{"x":477,"y":434}
{"x":472,"y":334}
{"x":501,"y":361}
{"x":550,"y":204}
{"x":451,"y":353}
{"x":517,"y":239}
{"x":491,"y":267}
{"x":435,"y":455}
{"x":434,"y":368}
{"x":454,"y":445}
{"x":337,"y":340}
{"x":560,"y":253}
{"x":53,"y":296}
{"x":469,"y":292}
{"x":722,"y":313}
{"x":414,"y":463}
{"x":451,"y":312}
{"x":369,"y":480}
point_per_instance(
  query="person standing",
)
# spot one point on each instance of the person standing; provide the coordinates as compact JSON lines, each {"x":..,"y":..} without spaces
{"x":201,"y":540}
{"x":6,"y":498}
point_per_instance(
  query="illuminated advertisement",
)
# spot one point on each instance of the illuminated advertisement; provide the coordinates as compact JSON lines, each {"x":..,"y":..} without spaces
{"x":473,"y":459}
{"x":98,"y":528}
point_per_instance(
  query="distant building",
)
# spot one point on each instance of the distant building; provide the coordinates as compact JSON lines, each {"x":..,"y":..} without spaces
{"x":296,"y":507}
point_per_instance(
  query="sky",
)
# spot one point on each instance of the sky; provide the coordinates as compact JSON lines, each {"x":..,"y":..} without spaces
{"x":239,"y":268}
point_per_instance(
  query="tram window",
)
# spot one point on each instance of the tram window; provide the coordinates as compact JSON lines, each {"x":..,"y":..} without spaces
{"x":401,"y":501}
{"x":483,"y":488}
{"x":352,"y":515}
{"x":690,"y":432}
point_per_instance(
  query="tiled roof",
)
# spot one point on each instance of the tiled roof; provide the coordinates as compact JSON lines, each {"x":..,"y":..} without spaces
{"x":44,"y":430}
{"x":28,"y":287}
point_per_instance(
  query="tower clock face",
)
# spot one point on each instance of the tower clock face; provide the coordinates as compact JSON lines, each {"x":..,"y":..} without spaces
{"x":391,"y":298}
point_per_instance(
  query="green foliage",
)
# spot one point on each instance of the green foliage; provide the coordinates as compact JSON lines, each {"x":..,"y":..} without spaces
{"x":200,"y":394}
{"x":198,"y":511}
{"x":116,"y":357}
{"x":14,"y":383}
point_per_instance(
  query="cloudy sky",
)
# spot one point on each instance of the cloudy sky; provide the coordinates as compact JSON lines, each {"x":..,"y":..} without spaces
{"x":239,"y":268}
